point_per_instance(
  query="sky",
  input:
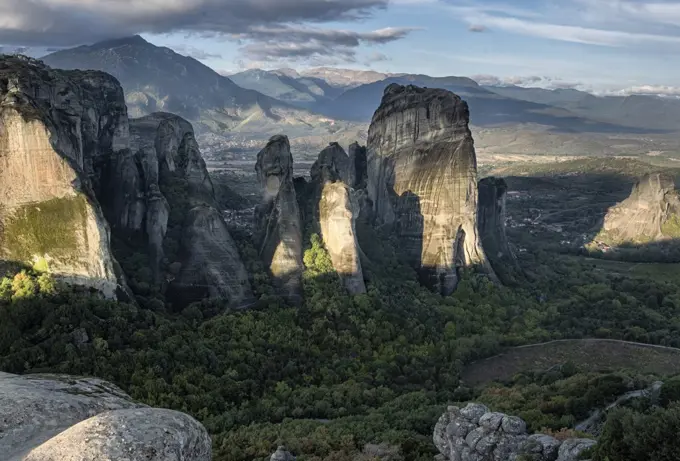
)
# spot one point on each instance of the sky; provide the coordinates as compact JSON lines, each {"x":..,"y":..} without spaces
{"x":605,"y":46}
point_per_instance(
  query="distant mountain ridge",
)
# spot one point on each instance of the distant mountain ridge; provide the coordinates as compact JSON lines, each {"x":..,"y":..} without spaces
{"x":159,"y":79}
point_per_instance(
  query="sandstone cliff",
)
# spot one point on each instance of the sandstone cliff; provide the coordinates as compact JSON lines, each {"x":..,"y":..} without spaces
{"x":336,"y":209}
{"x":278,"y":225}
{"x":651,"y":213}
{"x":475,"y":433}
{"x":179,"y":193}
{"x":491,"y":223}
{"x":422,"y":180}
{"x":56,"y":129}
{"x":63,"y":418}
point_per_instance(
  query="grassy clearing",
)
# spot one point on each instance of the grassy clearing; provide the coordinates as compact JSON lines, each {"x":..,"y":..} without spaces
{"x":590,"y":354}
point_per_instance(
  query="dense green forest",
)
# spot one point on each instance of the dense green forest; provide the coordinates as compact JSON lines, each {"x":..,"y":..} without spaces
{"x":339,"y":371}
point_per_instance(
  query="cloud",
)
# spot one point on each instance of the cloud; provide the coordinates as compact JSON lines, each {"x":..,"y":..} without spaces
{"x":650,"y":90}
{"x":477,"y":28}
{"x":528,"y":81}
{"x":375,"y":57}
{"x":73,"y":22}
{"x":194,"y":52}
{"x":575,"y":34}
{"x":305,"y":43}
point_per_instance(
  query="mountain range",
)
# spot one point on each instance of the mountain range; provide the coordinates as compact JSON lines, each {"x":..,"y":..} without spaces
{"x":315,"y":106}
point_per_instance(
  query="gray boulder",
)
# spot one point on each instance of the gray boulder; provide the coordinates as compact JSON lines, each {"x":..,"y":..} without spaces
{"x":281,"y":454}
{"x":142,"y":434}
{"x":64,"y":418}
{"x":571,"y":449}
{"x":474,"y":433}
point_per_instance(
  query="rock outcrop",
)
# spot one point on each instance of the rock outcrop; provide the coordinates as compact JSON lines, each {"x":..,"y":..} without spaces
{"x":143,"y":434}
{"x":475,"y":433}
{"x":281,"y":454}
{"x":651,"y":213}
{"x":491,"y":223}
{"x":175,"y":180}
{"x":53,"y":417}
{"x":211,"y":265}
{"x":278,"y":225}
{"x":422,"y":180}
{"x":72,"y":164}
{"x":336,"y":209}
{"x":57,"y":129}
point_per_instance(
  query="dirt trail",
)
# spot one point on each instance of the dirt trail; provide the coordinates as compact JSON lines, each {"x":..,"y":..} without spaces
{"x":590,"y":354}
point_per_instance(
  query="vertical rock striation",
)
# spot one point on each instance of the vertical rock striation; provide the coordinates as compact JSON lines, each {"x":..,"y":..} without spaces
{"x":71,"y":165}
{"x":491,"y":222}
{"x":336,"y":209}
{"x":58,"y":131}
{"x":176,"y":181}
{"x":422,"y":180}
{"x":278,"y":225}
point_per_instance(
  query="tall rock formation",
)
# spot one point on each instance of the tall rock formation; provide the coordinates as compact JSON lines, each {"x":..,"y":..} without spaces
{"x":651,"y":213}
{"x":491,"y":223}
{"x":422,"y":181}
{"x":336,"y":209}
{"x":56,"y":130}
{"x":71,"y":164}
{"x":64,"y":418}
{"x":179,"y":194}
{"x":278,"y":224}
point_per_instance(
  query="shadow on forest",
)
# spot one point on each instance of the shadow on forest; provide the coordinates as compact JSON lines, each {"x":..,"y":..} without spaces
{"x":563,"y":212}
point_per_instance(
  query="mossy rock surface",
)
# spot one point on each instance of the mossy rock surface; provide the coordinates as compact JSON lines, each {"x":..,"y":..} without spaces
{"x":46,"y":228}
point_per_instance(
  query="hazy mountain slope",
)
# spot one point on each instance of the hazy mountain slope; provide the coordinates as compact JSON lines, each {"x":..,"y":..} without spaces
{"x":639,"y":111}
{"x":157,"y":78}
{"x":487,"y":108}
{"x":282,"y":87}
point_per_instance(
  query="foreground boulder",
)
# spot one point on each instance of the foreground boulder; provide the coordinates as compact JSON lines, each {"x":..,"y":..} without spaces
{"x":475,"y":433}
{"x":651,"y":213}
{"x":143,"y":434}
{"x":277,"y":219}
{"x":422,"y":181}
{"x":56,"y":128}
{"x":56,"y":417}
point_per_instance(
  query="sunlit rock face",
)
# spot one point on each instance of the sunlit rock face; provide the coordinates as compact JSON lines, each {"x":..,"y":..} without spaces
{"x":650,"y":214}
{"x":336,"y":209}
{"x":422,"y":181}
{"x":58,"y":133}
{"x":278,"y":225}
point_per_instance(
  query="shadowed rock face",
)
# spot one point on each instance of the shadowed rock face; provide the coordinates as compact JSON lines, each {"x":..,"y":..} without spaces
{"x":58,"y":133}
{"x":651,"y":213}
{"x":210,"y":259}
{"x":64,"y":418}
{"x":357,"y":177}
{"x":422,"y":180}
{"x":167,"y":155}
{"x":333,"y":164}
{"x":278,"y":225}
{"x":491,"y":221}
